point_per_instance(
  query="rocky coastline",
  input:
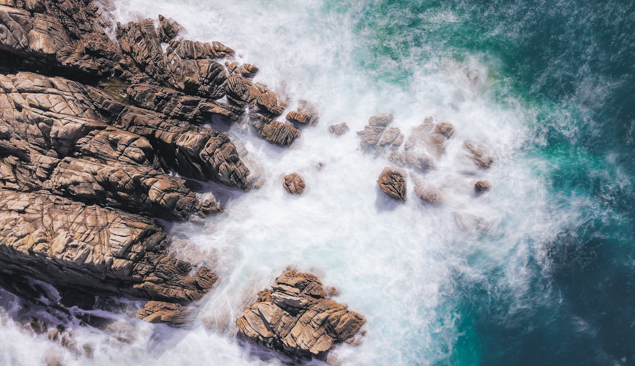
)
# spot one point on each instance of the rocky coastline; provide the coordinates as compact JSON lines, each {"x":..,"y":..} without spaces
{"x":101,"y":133}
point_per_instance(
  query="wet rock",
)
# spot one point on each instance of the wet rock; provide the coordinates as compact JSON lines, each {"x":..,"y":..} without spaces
{"x":372,"y":132}
{"x":275,"y":132}
{"x":418,"y":161}
{"x":392,"y":181}
{"x":424,"y":140}
{"x":297,"y":317}
{"x":53,"y":357}
{"x":243,"y":92}
{"x":166,"y":312}
{"x":178,"y":105}
{"x":96,"y":250}
{"x":391,"y":136}
{"x":427,"y":193}
{"x":169,"y":29}
{"x":306,"y":114}
{"x":478,"y":154}
{"x":294,"y":184}
{"x":446,"y":129}
{"x":481,"y":186}
{"x":339,"y":129}
{"x":244,"y":70}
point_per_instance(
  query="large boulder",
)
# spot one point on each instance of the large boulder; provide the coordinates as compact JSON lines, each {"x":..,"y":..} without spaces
{"x":297,"y":317}
{"x":392,"y":182}
{"x":294,"y":183}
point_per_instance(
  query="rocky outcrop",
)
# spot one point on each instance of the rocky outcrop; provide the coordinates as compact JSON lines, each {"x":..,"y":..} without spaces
{"x":294,"y":184}
{"x":339,"y":129}
{"x":305,"y":115}
{"x":243,"y":92}
{"x":373,"y":132}
{"x":392,"y":182}
{"x":95,"y":249}
{"x":298,"y":318}
{"x":426,"y":192}
{"x":175,"y":315}
{"x":245,"y":70}
{"x":275,"y":132}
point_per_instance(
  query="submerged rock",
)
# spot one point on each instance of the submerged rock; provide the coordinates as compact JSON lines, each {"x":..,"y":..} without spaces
{"x":297,"y":317}
{"x":294,"y":184}
{"x":166,"y":312}
{"x":481,"y":186}
{"x":478,"y":154}
{"x":392,"y":181}
{"x":306,"y":114}
{"x":339,"y":129}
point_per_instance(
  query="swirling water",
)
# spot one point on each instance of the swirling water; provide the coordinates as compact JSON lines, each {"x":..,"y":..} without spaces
{"x":547,"y":85}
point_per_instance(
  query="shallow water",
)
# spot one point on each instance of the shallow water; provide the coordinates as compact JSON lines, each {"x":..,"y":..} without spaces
{"x":544,"y":84}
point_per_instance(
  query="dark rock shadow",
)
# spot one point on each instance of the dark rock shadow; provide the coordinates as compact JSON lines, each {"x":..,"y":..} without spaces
{"x":383,"y":203}
{"x":255,"y":351}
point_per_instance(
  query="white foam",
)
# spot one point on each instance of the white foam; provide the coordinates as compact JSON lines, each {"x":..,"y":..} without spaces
{"x":396,"y":264}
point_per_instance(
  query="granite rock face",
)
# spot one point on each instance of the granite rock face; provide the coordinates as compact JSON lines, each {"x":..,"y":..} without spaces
{"x":92,"y":248}
{"x":297,"y":317}
{"x":294,"y":184}
{"x":392,"y":182}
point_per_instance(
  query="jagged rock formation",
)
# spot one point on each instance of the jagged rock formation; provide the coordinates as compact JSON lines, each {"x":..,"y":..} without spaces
{"x":339,"y":129}
{"x":392,"y":181}
{"x":305,"y":115}
{"x":297,"y":317}
{"x":92,"y":248}
{"x":372,"y":132}
{"x":294,"y":184}
{"x":276,"y":132}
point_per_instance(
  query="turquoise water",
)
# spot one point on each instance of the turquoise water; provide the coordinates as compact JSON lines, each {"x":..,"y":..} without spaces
{"x":548,"y":85}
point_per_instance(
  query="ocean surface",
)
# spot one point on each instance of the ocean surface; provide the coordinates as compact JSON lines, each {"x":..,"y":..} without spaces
{"x":548,"y":277}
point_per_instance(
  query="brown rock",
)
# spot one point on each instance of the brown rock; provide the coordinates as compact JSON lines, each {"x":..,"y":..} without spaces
{"x":94,"y":249}
{"x":339,"y":129}
{"x":166,"y":312}
{"x":481,"y":186}
{"x":392,"y":181}
{"x":306,"y":114}
{"x":169,"y":29}
{"x":297,"y":318}
{"x":277,"y":133}
{"x":479,"y":155}
{"x":294,"y":184}
{"x":446,"y":129}
{"x":427,"y":193}
{"x":372,"y":132}
{"x":243,"y":92}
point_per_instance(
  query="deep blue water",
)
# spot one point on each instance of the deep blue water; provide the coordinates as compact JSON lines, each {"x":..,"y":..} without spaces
{"x":573,"y":63}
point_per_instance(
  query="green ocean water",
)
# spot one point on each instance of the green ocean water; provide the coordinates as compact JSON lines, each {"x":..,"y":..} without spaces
{"x":571,"y":63}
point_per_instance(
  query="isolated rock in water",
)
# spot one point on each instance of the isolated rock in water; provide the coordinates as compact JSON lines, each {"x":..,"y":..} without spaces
{"x":306,"y":114}
{"x":165,"y":312}
{"x":470,"y":223}
{"x":169,"y":29}
{"x":297,"y":317}
{"x":392,"y":181}
{"x":479,"y":154}
{"x":277,"y":133}
{"x":481,"y":186}
{"x":372,"y":132}
{"x":339,"y":129}
{"x":293,"y":183}
{"x":446,"y":129}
